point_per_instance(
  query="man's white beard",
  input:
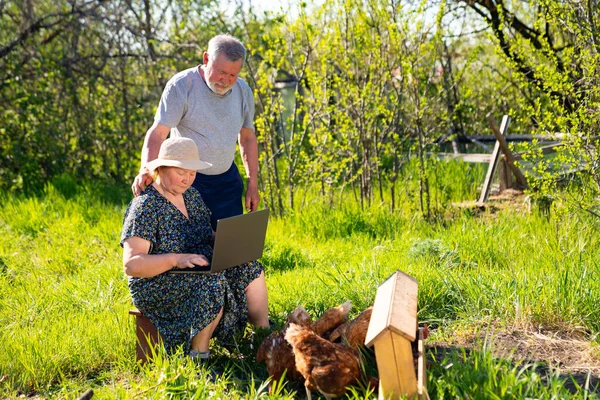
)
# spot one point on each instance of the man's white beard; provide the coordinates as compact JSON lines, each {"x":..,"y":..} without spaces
{"x":217,"y":89}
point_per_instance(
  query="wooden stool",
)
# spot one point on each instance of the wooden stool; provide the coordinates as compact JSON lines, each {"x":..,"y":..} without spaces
{"x":147,"y":336}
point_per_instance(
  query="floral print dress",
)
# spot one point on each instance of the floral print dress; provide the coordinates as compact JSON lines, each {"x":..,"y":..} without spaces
{"x":181,"y":305}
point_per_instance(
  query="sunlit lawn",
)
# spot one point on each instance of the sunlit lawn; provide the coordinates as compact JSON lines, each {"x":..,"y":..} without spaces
{"x":64,"y":298}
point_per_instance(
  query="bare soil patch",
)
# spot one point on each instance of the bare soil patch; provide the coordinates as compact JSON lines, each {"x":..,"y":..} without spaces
{"x":509,"y":198}
{"x":566,"y":354}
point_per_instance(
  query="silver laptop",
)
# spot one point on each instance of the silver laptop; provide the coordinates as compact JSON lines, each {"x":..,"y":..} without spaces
{"x":238,"y":240}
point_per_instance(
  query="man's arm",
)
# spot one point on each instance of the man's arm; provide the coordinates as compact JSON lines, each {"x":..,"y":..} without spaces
{"x":249,"y":153}
{"x":154,"y":138}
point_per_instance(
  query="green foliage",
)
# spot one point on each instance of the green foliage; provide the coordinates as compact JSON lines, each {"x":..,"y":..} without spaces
{"x":347,"y":159}
{"x":369,"y":86}
{"x":552,"y":53}
{"x":354,"y":71}
{"x":81,"y":83}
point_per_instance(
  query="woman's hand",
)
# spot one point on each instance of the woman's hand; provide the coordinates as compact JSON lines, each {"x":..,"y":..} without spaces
{"x":191,"y":260}
{"x":139,"y":264}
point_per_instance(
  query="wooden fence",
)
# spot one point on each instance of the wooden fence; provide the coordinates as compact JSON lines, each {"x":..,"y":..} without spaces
{"x":502,"y":160}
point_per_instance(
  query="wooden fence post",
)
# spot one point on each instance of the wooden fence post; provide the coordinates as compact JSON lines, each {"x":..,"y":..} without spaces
{"x":506,"y":178}
{"x":510,"y":160}
{"x":487,"y":183}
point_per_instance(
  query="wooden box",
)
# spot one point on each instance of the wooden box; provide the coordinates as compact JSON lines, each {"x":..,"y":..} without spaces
{"x":392,"y":328}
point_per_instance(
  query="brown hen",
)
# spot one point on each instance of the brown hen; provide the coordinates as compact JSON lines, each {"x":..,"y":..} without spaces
{"x":331,"y":319}
{"x":277,"y":353}
{"x":326,"y":367}
{"x":299,"y":316}
{"x":354,"y":332}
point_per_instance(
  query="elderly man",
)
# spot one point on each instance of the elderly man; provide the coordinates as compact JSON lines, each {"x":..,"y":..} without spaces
{"x":212,"y":106}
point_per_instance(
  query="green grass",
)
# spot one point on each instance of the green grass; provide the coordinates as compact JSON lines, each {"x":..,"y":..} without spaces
{"x":64,"y":297}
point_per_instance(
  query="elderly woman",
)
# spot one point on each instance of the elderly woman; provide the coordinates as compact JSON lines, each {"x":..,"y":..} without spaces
{"x":167,"y":227}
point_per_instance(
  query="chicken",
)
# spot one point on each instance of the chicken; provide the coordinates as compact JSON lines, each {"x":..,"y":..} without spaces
{"x":326,"y":367}
{"x":277,"y":353}
{"x":331,"y":319}
{"x":298,"y":316}
{"x":279,"y":357}
{"x":354,"y":332}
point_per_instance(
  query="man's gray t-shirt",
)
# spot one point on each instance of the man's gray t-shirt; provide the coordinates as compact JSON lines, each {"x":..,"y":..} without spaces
{"x":192,"y":110}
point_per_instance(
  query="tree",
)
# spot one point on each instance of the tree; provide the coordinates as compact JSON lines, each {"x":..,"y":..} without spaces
{"x":80,"y":81}
{"x":552,"y":48}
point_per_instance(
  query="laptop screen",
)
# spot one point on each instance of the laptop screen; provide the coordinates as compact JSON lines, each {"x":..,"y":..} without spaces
{"x":239,"y":239}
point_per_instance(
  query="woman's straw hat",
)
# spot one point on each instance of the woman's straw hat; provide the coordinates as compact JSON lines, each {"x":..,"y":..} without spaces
{"x":178,"y":152}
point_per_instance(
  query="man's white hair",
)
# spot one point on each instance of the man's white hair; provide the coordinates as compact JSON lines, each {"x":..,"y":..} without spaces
{"x":227,"y":45}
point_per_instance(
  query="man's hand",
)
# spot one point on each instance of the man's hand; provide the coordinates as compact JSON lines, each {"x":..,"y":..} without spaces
{"x":252,"y":197}
{"x":154,"y":138}
{"x":249,"y":153}
{"x":140,"y":182}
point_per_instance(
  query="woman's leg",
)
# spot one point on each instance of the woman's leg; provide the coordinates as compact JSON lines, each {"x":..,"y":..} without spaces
{"x":202,"y":338}
{"x":258,"y":302}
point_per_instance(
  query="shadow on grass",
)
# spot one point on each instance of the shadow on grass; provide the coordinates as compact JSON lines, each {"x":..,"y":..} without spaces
{"x":108,"y":192}
{"x":284,"y":258}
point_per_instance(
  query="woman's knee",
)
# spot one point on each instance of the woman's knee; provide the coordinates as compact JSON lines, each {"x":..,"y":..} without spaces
{"x":258,"y":284}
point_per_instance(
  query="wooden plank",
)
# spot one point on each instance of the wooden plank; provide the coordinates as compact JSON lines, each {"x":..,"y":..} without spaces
{"x":396,"y":366}
{"x":521,"y":181}
{"x":470,"y":158}
{"x":421,"y":368}
{"x":395,"y":308}
{"x":403,"y":316}
{"x":506,"y":180}
{"x":381,"y":308}
{"x":405,"y":365}
{"x":386,"y":366}
{"x":518,"y":137}
{"x":487,"y":183}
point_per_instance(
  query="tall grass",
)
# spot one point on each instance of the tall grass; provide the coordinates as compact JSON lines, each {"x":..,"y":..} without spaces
{"x":521,"y":269}
{"x":64,"y":298}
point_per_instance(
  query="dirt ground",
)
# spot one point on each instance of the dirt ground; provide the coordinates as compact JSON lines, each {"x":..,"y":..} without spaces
{"x":510,"y":198}
{"x":564,"y":354}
